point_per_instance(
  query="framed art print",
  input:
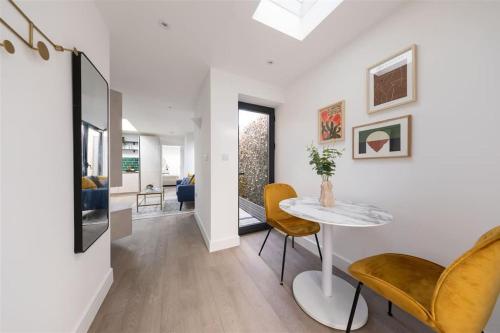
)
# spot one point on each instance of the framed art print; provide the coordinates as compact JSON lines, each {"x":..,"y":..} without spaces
{"x":331,"y":123}
{"x":383,"y":139}
{"x":393,"y":81}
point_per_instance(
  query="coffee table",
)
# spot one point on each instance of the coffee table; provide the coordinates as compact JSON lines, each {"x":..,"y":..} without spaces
{"x":155,"y":191}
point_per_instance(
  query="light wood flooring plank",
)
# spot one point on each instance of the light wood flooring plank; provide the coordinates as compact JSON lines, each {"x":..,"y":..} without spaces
{"x":166,"y":281}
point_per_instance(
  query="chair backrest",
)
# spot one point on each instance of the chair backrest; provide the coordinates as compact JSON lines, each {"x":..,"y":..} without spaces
{"x":273,"y":194}
{"x":467,"y":290}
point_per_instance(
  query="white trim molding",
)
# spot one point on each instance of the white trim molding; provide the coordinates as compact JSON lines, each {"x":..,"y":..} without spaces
{"x":216,"y":245}
{"x":206,"y":237}
{"x":90,"y":312}
{"x":226,"y":243}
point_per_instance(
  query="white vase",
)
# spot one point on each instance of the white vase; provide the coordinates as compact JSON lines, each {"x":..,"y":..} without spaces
{"x":326,"y":198}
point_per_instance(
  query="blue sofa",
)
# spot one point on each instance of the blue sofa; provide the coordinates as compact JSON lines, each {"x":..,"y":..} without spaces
{"x":185,"y":191}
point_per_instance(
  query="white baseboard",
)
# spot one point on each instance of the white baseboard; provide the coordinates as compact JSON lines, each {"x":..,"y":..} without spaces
{"x":310,"y":245}
{"x":215,"y":245}
{"x":226,"y":243}
{"x":92,"y":308}
{"x":204,"y":234}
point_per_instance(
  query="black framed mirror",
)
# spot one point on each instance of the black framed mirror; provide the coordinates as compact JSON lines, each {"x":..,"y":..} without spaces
{"x":90,"y":150}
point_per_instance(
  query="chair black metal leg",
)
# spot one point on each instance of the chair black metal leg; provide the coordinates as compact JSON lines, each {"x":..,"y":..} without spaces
{"x":283,"y":263}
{"x":293,"y":241}
{"x":353,"y":309}
{"x":390,"y":309}
{"x":265,"y":240}
{"x":319,"y":249}
{"x":181,"y":205}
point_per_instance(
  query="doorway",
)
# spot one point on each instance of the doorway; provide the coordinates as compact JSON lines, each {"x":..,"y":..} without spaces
{"x":171,"y":160}
{"x":255,"y":164}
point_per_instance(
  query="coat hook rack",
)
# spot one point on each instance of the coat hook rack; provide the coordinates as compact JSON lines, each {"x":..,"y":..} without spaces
{"x":42,"y":49}
{"x":8,"y":46}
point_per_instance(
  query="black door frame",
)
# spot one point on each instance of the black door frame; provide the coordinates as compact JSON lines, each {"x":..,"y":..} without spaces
{"x":272,"y":119}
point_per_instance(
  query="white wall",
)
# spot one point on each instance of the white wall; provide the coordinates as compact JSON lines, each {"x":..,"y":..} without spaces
{"x":45,"y":287}
{"x":150,"y":159}
{"x":1,"y":192}
{"x":172,"y":140}
{"x":189,"y":154}
{"x":446,"y":195}
{"x":202,"y":164}
{"x":225,"y":90}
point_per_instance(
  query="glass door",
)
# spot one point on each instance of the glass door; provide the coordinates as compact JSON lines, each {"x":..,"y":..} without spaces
{"x":256,"y":164}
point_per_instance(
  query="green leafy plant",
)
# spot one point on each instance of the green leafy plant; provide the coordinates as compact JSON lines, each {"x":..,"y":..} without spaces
{"x":324,"y":162}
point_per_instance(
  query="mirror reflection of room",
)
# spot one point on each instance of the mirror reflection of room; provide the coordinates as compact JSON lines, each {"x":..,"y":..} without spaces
{"x":130,"y":163}
{"x":94,"y":141}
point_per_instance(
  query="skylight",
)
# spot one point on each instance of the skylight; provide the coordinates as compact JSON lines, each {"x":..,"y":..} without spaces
{"x":296,"y":18}
{"x":127,"y":126}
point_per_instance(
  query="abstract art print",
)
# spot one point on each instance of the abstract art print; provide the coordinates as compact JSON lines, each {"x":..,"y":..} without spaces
{"x":393,"y":81}
{"x":331,"y":123}
{"x":383,"y":139}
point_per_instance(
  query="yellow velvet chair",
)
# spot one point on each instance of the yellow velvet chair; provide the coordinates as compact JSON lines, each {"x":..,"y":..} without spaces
{"x":456,"y":299}
{"x":289,"y":225}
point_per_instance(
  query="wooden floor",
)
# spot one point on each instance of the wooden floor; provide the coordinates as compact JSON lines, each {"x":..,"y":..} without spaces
{"x":166,"y":281}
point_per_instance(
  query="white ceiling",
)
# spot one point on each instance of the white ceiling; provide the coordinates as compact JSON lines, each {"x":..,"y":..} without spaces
{"x":168,"y":66}
{"x":151,"y":115}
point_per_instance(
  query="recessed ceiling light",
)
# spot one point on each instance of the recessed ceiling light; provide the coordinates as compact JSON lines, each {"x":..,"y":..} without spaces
{"x":164,"y":25}
{"x":296,"y":18}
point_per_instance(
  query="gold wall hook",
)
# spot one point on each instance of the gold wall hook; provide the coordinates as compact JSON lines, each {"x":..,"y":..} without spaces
{"x":42,"y":49}
{"x":8,"y":46}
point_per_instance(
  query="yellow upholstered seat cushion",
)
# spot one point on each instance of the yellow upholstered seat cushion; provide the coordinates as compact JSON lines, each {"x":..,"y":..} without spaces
{"x":458,"y":299}
{"x":468,"y":289}
{"x":295,"y":226}
{"x":88,"y":184}
{"x":277,"y":218}
{"x":407,"y":281}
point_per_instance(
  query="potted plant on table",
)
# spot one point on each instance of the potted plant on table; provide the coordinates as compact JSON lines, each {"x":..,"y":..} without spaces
{"x":324,"y":164}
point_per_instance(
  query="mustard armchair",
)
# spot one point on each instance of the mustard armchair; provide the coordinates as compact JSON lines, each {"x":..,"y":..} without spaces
{"x":289,"y":225}
{"x":456,"y":299}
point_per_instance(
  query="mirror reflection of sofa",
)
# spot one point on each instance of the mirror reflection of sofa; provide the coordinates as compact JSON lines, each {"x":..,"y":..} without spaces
{"x":185,"y":190}
{"x":94,"y":192}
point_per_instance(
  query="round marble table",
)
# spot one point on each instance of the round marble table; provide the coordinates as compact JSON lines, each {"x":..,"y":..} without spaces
{"x":323,"y":296}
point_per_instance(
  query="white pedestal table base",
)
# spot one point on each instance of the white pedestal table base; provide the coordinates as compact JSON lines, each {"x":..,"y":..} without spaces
{"x":332,"y":311}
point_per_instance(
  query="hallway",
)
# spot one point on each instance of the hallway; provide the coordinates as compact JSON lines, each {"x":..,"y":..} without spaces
{"x":166,"y":281}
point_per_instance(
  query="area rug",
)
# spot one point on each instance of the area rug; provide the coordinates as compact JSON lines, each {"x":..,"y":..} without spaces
{"x":170,"y":207}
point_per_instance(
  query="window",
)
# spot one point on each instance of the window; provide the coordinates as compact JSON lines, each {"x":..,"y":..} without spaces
{"x":296,"y":18}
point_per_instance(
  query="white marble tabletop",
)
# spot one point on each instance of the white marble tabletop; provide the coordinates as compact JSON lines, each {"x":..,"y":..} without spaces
{"x":347,"y":214}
